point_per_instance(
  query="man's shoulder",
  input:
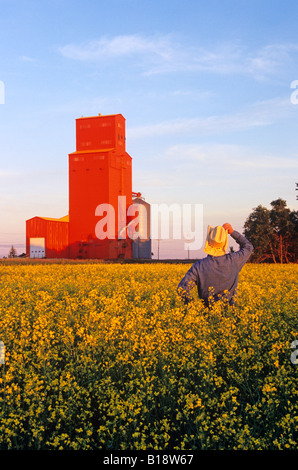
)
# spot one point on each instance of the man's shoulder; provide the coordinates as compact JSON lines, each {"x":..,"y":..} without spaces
{"x":201,"y":262}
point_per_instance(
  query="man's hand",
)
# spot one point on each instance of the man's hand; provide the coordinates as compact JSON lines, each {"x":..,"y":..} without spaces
{"x":229,"y":228}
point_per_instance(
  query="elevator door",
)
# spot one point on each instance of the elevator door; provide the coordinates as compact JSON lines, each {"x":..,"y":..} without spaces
{"x":37,"y":248}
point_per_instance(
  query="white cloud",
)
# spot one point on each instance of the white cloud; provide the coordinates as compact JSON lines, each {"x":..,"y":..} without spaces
{"x":200,"y":153}
{"x":267,"y":162}
{"x":231,"y":154}
{"x":269,"y":59}
{"x":259,"y":114}
{"x":25,"y":58}
{"x":119,"y":46}
{"x":9,"y":174}
{"x":166,"y":53}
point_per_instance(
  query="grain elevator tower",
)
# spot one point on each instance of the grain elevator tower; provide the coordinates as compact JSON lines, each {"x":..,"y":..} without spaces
{"x":100,"y":170}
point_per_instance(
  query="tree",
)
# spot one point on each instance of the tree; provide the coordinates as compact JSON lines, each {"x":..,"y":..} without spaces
{"x":273,"y":233}
{"x":258,"y":230}
{"x":282,"y":229}
{"x":12,"y":253}
{"x":294,"y":237}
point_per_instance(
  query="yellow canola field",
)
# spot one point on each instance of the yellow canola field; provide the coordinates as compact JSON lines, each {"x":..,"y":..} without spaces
{"x":106,"y":356}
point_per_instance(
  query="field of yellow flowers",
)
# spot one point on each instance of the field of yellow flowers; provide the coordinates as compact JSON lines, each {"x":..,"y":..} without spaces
{"x":106,"y":356}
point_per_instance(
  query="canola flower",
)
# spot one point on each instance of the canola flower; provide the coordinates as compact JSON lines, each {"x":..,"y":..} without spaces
{"x":106,"y":356}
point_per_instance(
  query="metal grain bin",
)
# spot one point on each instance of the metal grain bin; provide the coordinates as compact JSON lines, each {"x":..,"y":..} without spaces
{"x":141,"y":248}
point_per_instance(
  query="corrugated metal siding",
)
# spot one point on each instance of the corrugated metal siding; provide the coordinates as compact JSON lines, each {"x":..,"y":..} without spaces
{"x":98,"y":176}
{"x":54,"y":231}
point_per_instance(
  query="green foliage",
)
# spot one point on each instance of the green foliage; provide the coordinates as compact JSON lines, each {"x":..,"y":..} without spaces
{"x":273,"y":233}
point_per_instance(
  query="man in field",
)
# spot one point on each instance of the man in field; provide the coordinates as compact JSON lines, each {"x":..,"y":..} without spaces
{"x":216,"y":276}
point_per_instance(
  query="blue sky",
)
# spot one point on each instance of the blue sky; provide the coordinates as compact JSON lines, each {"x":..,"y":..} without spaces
{"x":205,"y":88}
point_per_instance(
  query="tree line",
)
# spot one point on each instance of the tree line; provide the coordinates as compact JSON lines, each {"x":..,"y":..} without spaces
{"x":273,"y":233}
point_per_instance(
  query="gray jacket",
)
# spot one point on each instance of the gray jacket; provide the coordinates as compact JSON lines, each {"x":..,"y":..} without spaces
{"x":216,"y":276}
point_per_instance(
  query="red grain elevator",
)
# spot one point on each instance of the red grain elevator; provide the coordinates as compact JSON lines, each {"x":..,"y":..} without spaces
{"x":100,"y":170}
{"x":100,"y":192}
